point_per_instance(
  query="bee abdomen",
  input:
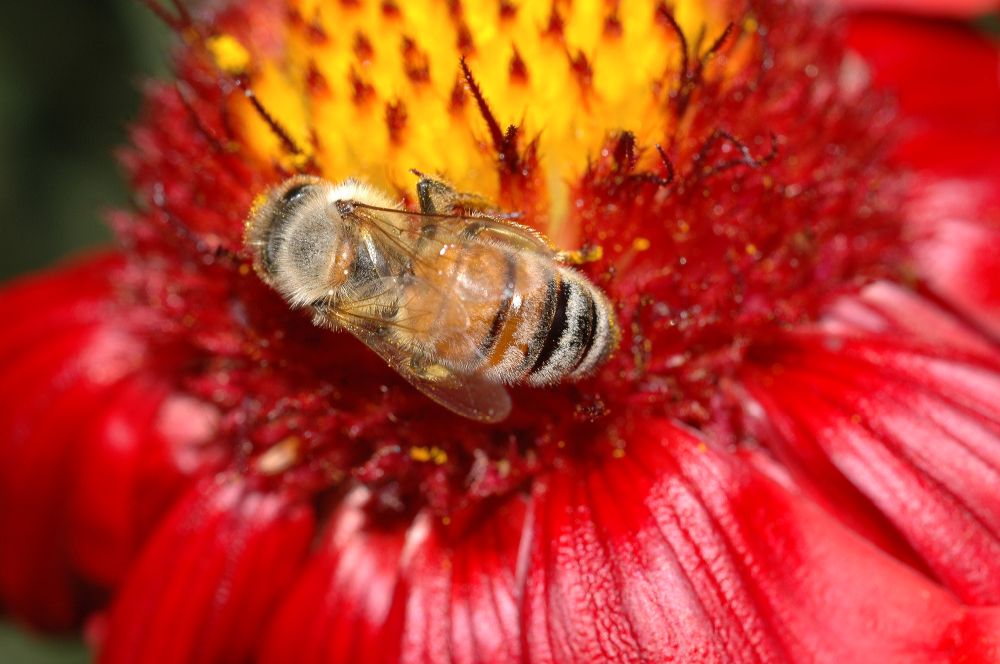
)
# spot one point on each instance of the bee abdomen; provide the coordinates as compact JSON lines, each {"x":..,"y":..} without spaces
{"x":547,"y":324}
{"x":575,"y":336}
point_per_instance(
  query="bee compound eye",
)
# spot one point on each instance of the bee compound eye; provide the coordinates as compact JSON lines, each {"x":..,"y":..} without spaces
{"x":270,"y":252}
{"x":280,"y":216}
{"x":295,"y":194}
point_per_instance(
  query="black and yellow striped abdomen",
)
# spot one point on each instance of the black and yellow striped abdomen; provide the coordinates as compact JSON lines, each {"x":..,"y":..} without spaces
{"x":511,"y":316}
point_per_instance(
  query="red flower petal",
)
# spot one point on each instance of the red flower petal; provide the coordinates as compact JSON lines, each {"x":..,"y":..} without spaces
{"x":674,"y":552}
{"x":133,"y":461}
{"x":455,"y":599}
{"x":341,"y":607}
{"x":677,"y":552}
{"x":79,"y":400}
{"x":956,"y":226}
{"x":209,"y":576}
{"x":947,"y":80}
{"x":906,"y":439}
{"x":888,"y":309}
{"x":59,"y":357}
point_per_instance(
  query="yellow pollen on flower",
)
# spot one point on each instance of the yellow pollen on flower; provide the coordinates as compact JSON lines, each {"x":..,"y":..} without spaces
{"x":229,"y":54}
{"x":433,"y":454}
{"x":641,"y":244}
{"x":280,"y":457}
{"x":373,"y":94}
{"x":503,"y":467}
{"x":581,"y":256}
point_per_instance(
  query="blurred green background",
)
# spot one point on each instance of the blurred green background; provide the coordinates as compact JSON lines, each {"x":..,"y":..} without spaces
{"x":70,"y":74}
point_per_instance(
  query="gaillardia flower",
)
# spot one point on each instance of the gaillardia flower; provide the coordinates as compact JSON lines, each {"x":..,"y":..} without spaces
{"x":794,"y":455}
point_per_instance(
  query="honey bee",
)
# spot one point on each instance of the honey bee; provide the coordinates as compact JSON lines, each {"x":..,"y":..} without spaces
{"x":456,"y":298}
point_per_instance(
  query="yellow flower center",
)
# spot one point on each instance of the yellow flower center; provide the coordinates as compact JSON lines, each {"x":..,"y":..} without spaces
{"x":375,"y":89}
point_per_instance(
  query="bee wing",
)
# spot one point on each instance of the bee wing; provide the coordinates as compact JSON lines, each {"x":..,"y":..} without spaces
{"x":468,"y":395}
{"x":403,"y":229}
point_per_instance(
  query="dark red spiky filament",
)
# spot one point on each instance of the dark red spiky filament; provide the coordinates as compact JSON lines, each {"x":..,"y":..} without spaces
{"x":767,"y":197}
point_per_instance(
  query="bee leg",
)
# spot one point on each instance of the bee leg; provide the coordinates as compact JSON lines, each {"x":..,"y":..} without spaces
{"x":323,"y":316}
{"x":427,"y":370}
{"x":585,"y":254}
{"x":436,"y":197}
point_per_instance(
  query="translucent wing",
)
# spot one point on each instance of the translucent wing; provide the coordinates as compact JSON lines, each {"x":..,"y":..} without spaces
{"x":468,"y":395}
{"x":406,"y":231}
{"x":393,"y":302}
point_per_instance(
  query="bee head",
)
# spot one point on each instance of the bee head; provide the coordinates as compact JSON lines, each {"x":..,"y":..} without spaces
{"x":291,"y":235}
